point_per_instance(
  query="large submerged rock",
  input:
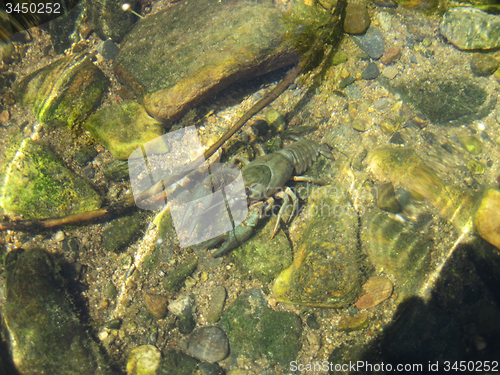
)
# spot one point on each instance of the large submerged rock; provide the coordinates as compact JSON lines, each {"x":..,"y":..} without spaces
{"x":45,"y":334}
{"x":172,"y":62}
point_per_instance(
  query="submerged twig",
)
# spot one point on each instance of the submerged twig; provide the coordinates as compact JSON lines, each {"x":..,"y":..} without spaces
{"x":335,"y":21}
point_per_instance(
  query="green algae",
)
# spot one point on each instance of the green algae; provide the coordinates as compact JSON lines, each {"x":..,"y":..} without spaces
{"x":37,"y":185}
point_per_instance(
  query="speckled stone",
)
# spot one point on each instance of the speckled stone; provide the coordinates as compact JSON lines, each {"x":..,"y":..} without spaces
{"x":470,"y":28}
{"x":370,"y":42}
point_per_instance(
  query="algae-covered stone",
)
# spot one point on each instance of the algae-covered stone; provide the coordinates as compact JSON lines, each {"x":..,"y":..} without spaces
{"x":36,"y":184}
{"x":174,"y":281}
{"x":175,"y":362}
{"x":143,"y":360}
{"x":470,"y":28}
{"x":471,"y":144}
{"x":445,"y":100}
{"x":325,"y":271}
{"x":64,"y":92}
{"x":487,"y":219}
{"x":483,"y":65}
{"x":124,"y":127}
{"x":46,"y":336}
{"x":172,"y":62}
{"x":258,"y":333}
{"x":261,"y":257}
{"x":475,"y":167}
{"x":121,"y":232}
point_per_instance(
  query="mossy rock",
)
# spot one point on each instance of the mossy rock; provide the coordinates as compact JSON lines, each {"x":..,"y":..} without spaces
{"x":47,"y":335}
{"x":64,"y":92}
{"x":258,"y":333}
{"x":37,"y":185}
{"x":124,"y":127}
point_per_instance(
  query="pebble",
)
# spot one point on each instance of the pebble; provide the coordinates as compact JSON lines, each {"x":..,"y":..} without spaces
{"x":475,"y":167}
{"x":4,"y":117}
{"x":471,"y":144}
{"x":209,"y":344}
{"x":391,"y":55}
{"x":385,"y":20}
{"x":156,"y":304}
{"x":377,"y":289}
{"x":371,"y":42}
{"x":360,"y":125}
{"x":214,"y":311}
{"x":354,"y":323}
{"x":357,"y":19}
{"x":470,"y":28}
{"x":346,"y":82}
{"x":371,"y":71}
{"x":108,"y":49}
{"x":144,"y":360}
{"x":487,"y":219}
{"x":483,"y":65}
{"x":390,"y":72}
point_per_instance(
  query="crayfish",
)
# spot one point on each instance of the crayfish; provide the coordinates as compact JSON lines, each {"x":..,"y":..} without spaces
{"x":265,"y":178}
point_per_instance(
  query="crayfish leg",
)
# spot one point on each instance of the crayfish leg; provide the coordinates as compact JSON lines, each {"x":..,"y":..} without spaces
{"x":286,"y":195}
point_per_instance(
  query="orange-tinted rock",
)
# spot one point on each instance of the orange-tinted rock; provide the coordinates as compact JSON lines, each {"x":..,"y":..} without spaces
{"x":377,"y":290}
{"x":156,"y":304}
{"x":391,"y":55}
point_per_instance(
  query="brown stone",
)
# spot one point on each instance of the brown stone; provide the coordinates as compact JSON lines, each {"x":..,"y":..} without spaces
{"x":377,"y":289}
{"x":357,"y":19}
{"x":156,"y":304}
{"x":4,"y":117}
{"x":391,"y":55}
{"x":487,"y":219}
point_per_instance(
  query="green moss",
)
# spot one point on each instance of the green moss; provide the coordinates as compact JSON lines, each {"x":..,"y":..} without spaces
{"x":49,"y":189}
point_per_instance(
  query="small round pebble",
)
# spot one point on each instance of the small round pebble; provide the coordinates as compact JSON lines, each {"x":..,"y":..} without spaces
{"x":390,"y":72}
{"x":156,"y":304}
{"x":391,"y":55}
{"x":371,"y":71}
{"x":359,"y":125}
